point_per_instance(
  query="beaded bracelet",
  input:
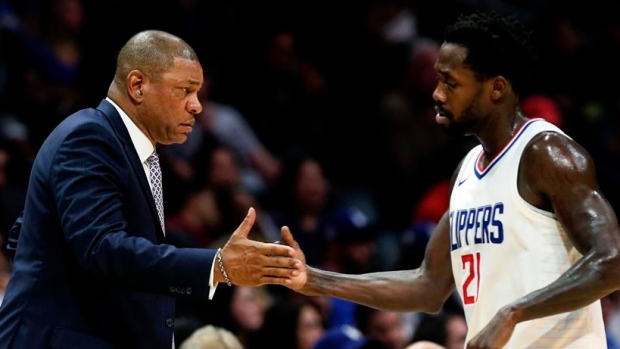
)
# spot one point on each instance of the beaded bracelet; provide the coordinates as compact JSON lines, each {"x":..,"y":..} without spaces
{"x":219,"y":261}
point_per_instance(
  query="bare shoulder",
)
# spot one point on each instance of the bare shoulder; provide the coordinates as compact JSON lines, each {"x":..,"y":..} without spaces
{"x":557,"y":151}
{"x":553,"y":164}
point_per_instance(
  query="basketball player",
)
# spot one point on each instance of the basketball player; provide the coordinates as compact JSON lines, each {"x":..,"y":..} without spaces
{"x":529,"y":241}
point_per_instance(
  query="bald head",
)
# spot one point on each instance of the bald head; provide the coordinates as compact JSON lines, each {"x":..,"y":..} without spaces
{"x":156,"y":84}
{"x":152,"y":52}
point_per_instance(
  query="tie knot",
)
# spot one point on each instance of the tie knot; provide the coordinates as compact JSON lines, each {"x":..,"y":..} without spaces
{"x":153,"y":158}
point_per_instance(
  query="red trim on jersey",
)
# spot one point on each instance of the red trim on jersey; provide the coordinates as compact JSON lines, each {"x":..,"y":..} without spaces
{"x":480,"y":171}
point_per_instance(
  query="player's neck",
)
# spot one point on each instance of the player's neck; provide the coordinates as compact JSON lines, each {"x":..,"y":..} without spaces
{"x":497,"y":135}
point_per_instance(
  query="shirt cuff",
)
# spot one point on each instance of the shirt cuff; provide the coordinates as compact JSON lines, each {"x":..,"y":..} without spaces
{"x":212,"y":286}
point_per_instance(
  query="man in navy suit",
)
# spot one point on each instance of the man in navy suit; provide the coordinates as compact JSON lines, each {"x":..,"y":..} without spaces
{"x":91,"y":267}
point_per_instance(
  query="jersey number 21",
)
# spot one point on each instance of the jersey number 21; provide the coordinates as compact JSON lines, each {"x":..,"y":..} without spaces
{"x":471,"y":263}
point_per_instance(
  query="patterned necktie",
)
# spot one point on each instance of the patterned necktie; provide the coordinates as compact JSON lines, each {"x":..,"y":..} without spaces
{"x":153,"y":160}
{"x":155,"y":172}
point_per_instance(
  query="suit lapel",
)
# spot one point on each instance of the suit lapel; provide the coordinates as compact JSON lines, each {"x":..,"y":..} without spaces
{"x":121,"y":132}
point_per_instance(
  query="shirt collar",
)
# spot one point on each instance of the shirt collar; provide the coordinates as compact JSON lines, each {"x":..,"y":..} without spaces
{"x":140,"y":141}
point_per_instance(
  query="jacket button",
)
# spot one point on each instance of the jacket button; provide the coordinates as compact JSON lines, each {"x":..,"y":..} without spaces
{"x":169,"y":322}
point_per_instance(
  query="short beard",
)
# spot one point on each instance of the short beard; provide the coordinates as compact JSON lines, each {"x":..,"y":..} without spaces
{"x":457,"y":130}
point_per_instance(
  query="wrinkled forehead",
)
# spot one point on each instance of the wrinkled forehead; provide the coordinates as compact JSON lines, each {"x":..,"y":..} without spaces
{"x":450,"y":59}
{"x":185,"y":70}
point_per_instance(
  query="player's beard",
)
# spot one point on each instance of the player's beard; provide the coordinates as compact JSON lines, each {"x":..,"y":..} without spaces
{"x":464,"y":125}
{"x":459,"y":129}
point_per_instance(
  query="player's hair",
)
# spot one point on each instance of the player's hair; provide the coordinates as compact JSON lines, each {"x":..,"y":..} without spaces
{"x":496,"y":45}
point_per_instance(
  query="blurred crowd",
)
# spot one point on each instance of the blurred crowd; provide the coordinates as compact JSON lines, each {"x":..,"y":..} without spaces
{"x":317,"y":114}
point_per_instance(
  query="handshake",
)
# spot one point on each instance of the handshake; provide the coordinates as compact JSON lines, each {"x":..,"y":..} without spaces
{"x":246,"y":262}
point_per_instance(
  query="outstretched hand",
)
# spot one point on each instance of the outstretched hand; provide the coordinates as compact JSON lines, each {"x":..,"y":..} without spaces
{"x":298,"y":281}
{"x":253,"y":263}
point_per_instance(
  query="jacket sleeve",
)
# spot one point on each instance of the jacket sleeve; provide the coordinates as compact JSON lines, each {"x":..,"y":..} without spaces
{"x":11,"y":246}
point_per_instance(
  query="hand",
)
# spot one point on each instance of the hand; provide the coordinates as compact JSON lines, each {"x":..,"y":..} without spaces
{"x":298,"y":281}
{"x":496,"y":333}
{"x":253,"y":263}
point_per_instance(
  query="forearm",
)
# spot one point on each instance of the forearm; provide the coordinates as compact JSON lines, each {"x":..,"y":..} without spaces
{"x":590,"y":279}
{"x":405,"y":290}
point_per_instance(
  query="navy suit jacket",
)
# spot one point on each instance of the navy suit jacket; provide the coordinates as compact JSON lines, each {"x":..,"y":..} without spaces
{"x":91,"y":268}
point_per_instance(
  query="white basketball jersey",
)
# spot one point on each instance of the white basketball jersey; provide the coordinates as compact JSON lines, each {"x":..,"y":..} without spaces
{"x":503,"y":248}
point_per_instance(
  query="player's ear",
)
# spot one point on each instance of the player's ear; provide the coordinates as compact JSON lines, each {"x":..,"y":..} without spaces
{"x":499,"y":86}
{"x":135,"y":83}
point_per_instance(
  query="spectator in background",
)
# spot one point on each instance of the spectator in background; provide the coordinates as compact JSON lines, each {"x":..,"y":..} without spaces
{"x":198,"y":222}
{"x":351,"y":249}
{"x":216,"y":175}
{"x":388,"y":327}
{"x":305,"y":200}
{"x":224,"y":125}
{"x":447,"y":329}
{"x":542,"y":106}
{"x":290,"y":324}
{"x":351,"y":240}
{"x":210,"y":337}
{"x":238,"y":309}
{"x":223,"y":175}
{"x":46,"y":38}
{"x":275,"y":89}
{"x":424,"y":345}
{"x":347,"y":337}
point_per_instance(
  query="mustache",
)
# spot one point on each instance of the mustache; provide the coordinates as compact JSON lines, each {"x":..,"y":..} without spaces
{"x":440,"y":110}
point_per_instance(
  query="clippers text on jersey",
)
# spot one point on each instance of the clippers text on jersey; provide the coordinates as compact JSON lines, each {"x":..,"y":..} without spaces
{"x":477,"y":225}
